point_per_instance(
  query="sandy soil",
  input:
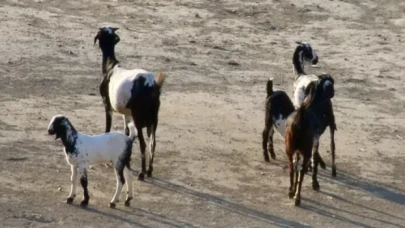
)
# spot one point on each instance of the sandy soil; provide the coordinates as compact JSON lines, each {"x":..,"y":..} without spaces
{"x":209,"y":169}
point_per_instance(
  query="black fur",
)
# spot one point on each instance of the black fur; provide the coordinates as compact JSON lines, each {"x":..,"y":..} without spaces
{"x":306,"y":51}
{"x":59,"y":128}
{"x":83,"y":182}
{"x":107,"y":41}
{"x":277,"y":104}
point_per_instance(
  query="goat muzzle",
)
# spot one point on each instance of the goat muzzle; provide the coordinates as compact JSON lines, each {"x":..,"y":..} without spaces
{"x":315,"y":60}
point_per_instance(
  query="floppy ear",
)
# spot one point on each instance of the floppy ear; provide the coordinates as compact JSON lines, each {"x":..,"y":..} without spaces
{"x":96,"y":38}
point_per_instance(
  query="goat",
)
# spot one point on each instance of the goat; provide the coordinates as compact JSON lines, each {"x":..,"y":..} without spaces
{"x":83,"y":150}
{"x":304,"y":53}
{"x":133,"y":93}
{"x":302,"y":127}
{"x":278,"y":107}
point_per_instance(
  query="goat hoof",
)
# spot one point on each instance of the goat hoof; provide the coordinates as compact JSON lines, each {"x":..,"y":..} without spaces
{"x":84,"y":203}
{"x":112,"y":205}
{"x":273,"y":155}
{"x":128,"y":202}
{"x":141,"y":176}
{"x":297,"y":202}
{"x":290,"y":195}
{"x":315,"y":186}
{"x":333,"y":171}
{"x":323,"y":166}
{"x":69,"y":200}
{"x":149,"y":173}
{"x":266,"y":158}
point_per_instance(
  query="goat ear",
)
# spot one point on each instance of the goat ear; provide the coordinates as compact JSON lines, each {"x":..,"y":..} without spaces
{"x":298,"y":42}
{"x":115,"y":29}
{"x":96,"y":38}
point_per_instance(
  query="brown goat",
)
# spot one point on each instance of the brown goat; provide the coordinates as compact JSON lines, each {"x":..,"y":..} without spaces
{"x":303,"y":126}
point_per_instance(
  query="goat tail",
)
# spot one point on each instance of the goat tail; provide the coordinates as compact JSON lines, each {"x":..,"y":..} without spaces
{"x":269,"y":87}
{"x":160,"y":79}
{"x":132,"y":131}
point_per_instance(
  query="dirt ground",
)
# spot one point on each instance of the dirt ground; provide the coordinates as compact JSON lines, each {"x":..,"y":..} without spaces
{"x":209,"y":168}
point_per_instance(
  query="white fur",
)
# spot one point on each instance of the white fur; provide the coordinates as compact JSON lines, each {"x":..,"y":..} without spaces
{"x":280,"y":125}
{"x":299,"y":88}
{"x":94,"y":150}
{"x":120,"y":87}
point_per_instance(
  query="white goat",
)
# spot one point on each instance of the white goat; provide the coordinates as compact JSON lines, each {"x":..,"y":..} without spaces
{"x":83,"y":150}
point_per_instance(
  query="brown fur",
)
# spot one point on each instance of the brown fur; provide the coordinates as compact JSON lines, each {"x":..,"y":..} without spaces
{"x":299,"y":139}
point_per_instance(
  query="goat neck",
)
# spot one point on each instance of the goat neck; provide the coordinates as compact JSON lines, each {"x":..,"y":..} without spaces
{"x":109,"y":60}
{"x":298,"y":62}
{"x":68,"y":137}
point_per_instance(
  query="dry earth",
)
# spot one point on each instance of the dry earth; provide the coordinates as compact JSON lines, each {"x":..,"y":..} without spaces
{"x":209,"y":170}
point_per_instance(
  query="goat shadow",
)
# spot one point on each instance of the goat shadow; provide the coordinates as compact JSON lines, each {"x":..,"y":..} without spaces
{"x":140,"y":213}
{"x":226,"y":204}
{"x":356,"y":183}
{"x":347,"y":180}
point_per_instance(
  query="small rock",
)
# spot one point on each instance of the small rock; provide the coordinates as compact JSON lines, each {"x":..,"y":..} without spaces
{"x":92,"y":94}
{"x":233,"y":63}
{"x":59,"y":189}
{"x":197,"y":15}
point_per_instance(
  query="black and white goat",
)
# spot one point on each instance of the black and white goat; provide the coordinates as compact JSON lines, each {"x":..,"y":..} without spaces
{"x":303,"y":126}
{"x":279,"y":107}
{"x":304,"y":53}
{"x":83,"y":150}
{"x":133,"y":93}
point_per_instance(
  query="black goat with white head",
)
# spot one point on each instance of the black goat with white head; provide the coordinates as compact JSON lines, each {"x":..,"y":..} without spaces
{"x":133,"y":93}
{"x":83,"y":150}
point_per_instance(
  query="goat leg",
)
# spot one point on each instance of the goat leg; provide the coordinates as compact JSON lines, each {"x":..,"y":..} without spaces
{"x":332,"y":148}
{"x":265,"y":139}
